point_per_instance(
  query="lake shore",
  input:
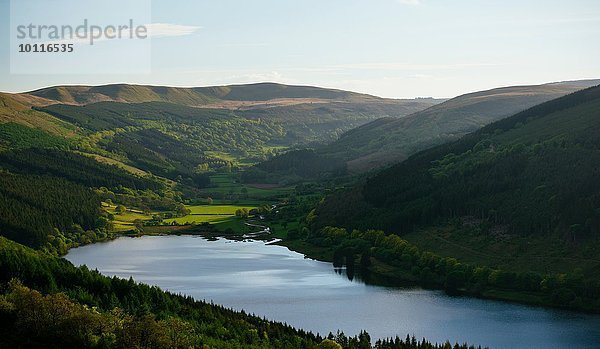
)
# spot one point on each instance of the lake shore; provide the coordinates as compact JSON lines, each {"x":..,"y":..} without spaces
{"x":380,"y":274}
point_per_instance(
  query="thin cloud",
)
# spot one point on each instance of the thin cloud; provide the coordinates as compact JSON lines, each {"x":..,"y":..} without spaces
{"x":155,"y":30}
{"x":409,"y":2}
{"x":165,"y":30}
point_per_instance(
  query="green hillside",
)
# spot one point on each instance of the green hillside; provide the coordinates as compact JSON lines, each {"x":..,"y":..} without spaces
{"x":168,"y":139}
{"x":389,"y":140}
{"x":319,"y":122}
{"x":172,"y":131}
{"x":16,"y":109}
{"x":521,"y":193}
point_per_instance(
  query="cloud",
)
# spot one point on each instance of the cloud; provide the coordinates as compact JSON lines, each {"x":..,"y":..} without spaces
{"x":409,"y":2}
{"x":165,"y":30}
{"x":155,"y":30}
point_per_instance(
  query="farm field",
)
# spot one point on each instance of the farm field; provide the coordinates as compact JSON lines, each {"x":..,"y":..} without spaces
{"x":125,"y":221}
{"x":221,"y":216}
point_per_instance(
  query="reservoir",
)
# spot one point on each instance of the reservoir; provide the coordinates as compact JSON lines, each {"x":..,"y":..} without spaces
{"x":274,"y":282}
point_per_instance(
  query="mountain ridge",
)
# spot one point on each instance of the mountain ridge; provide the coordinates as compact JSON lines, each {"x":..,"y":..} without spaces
{"x":191,"y":96}
{"x":385,"y":141}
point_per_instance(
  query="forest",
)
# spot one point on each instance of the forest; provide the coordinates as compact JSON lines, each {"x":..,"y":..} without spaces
{"x":374,"y":254}
{"x":295,"y":166}
{"x":536,"y":172}
{"x":73,"y":167}
{"x":51,"y":198}
{"x":184,"y":131}
{"x":37,"y":210}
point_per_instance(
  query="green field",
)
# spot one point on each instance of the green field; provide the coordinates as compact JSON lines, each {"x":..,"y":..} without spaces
{"x":125,"y":221}
{"x":222,"y":216}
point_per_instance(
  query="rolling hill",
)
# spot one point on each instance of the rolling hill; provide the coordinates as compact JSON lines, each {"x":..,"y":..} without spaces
{"x":249,"y":94}
{"x":217,"y":126}
{"x":388,"y":140}
{"x":521,"y":193}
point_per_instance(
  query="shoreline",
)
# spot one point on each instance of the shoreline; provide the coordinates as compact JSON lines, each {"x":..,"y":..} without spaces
{"x":376,"y":277}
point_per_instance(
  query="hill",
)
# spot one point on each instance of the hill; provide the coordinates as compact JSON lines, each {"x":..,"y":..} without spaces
{"x":390,"y":140}
{"x":195,"y":96}
{"x":217,"y":127}
{"x":522,"y":193}
{"x":115,"y":142}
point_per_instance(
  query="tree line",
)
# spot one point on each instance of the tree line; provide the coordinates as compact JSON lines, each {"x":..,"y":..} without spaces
{"x":364,"y":249}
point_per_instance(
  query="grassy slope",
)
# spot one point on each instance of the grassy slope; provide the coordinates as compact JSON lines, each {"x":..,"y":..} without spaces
{"x":18,"y":111}
{"x":390,"y":140}
{"x":226,"y":185}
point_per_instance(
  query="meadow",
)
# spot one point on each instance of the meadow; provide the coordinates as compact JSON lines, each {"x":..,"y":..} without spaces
{"x":213,"y":214}
{"x":125,"y":221}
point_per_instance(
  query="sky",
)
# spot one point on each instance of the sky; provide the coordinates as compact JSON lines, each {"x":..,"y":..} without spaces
{"x":388,"y":48}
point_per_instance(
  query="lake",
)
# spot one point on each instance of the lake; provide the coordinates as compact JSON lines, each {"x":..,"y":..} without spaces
{"x":282,"y":285}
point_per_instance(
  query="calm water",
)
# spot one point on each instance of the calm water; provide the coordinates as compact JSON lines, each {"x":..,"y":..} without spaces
{"x":274,"y":282}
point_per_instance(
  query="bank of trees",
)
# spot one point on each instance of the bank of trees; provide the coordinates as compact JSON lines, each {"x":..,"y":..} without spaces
{"x":410,"y":264}
{"x":34,"y":208}
{"x":295,"y":166}
{"x":113,"y":311}
{"x":73,"y":167}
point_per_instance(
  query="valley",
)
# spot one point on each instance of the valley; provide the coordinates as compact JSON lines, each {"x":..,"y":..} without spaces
{"x":481,"y":214}
{"x":392,"y":174}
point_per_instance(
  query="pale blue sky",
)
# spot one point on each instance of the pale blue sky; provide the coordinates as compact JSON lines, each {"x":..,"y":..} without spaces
{"x":390,"y":48}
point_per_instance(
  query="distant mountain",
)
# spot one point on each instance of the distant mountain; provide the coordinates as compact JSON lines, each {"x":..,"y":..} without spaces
{"x":172,"y":131}
{"x":194,"y":96}
{"x":525,"y":188}
{"x":310,"y":114}
{"x":255,"y":100}
{"x":390,"y":140}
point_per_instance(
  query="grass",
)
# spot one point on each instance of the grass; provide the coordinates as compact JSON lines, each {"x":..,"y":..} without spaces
{"x":280,"y":229}
{"x":323,"y":254}
{"x":221,"y":216}
{"x":217,"y":209}
{"x":125,"y":221}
